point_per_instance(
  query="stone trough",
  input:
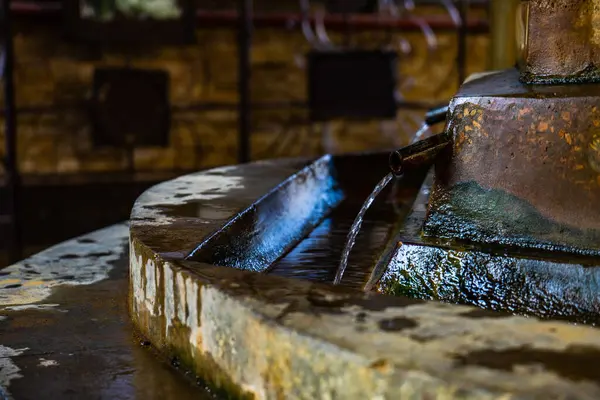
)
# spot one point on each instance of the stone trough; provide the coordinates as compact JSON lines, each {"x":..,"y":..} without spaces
{"x":204,"y":290}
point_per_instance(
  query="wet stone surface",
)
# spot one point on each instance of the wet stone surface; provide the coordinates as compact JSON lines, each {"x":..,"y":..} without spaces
{"x":68,"y":334}
{"x":500,"y":278}
{"x":268,"y":337}
{"x":252,"y":335}
{"x":318,"y":255}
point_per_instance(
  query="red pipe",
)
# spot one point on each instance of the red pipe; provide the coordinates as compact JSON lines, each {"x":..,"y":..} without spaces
{"x":283,"y":20}
{"x":32,"y":7}
{"x":337,"y":22}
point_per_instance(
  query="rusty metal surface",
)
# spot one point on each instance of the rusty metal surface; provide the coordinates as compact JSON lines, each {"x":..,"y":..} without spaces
{"x":65,"y":332}
{"x":422,"y":153}
{"x":523,"y":169}
{"x":562,"y":41}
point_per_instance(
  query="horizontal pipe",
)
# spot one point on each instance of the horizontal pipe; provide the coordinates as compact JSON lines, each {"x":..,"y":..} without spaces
{"x":34,"y":7}
{"x":283,"y":20}
{"x":338,"y":22}
{"x":418,"y":154}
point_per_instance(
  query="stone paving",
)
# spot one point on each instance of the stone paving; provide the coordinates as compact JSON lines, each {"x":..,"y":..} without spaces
{"x":65,"y":332}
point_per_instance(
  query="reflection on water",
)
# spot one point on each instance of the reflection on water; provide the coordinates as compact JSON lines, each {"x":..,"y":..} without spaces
{"x":317,"y":257}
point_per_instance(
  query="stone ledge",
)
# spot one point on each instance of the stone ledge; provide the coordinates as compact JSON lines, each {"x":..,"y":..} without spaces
{"x":267,"y":337}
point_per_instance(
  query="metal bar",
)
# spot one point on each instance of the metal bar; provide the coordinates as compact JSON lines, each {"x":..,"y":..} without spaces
{"x":503,"y":31}
{"x":418,"y":154}
{"x":282,"y":20}
{"x":463,"y":7}
{"x":36,"y":7}
{"x":244,"y":77}
{"x":334,"y":22}
{"x":13,"y":181}
{"x":347,"y":30}
{"x":436,"y":115}
{"x":24,"y":6}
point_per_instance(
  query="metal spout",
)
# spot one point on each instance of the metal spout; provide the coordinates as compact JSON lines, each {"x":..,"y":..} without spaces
{"x":417,"y":154}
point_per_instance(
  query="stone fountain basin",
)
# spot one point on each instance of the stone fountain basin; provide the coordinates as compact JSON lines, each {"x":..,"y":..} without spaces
{"x":199,"y":245}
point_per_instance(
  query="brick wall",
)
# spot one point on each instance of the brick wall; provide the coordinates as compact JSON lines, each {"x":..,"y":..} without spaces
{"x":51,"y":73}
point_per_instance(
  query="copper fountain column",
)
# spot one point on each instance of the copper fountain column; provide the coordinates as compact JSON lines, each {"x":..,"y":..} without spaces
{"x":524,"y":168}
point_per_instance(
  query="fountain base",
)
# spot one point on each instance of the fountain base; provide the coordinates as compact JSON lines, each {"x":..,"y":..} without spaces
{"x":496,"y":277}
{"x":523,"y":169}
{"x":252,"y":334}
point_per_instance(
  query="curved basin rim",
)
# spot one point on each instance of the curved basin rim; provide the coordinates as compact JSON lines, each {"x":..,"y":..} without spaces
{"x":354,"y":344}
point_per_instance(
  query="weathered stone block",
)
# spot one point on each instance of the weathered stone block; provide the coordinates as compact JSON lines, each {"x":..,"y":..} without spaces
{"x":153,"y":159}
{"x":52,"y":72}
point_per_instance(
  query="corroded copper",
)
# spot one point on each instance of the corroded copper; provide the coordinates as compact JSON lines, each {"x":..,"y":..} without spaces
{"x":562,"y":41}
{"x":524,"y":168}
{"x":418,"y":154}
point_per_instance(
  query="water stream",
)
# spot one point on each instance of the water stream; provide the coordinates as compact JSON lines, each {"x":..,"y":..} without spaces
{"x":317,"y":256}
{"x":420,"y":133}
{"x":355,"y":229}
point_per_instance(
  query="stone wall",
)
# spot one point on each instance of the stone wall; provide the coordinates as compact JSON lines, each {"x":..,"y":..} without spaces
{"x":53,"y":79}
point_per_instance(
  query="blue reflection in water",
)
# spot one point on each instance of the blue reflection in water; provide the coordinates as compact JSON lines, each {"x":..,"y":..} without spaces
{"x":262,"y":234}
{"x":317,"y":256}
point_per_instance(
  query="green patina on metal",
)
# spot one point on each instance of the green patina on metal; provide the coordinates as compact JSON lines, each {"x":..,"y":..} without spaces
{"x":522,"y":169}
{"x":492,"y":216}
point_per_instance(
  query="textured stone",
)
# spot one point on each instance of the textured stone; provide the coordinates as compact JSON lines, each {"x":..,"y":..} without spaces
{"x":268,"y":337}
{"x":52,"y":72}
